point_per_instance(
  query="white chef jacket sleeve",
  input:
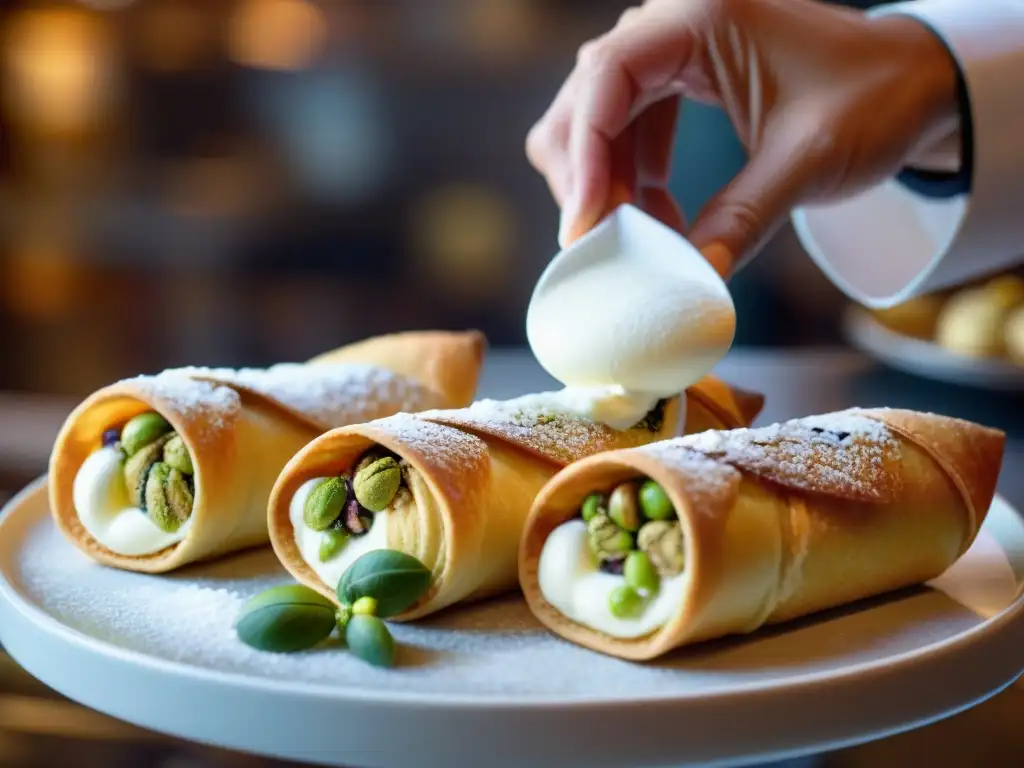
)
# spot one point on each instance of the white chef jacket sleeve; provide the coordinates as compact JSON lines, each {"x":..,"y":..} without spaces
{"x":920,"y":232}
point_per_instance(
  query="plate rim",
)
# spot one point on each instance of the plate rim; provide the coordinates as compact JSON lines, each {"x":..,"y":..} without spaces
{"x":1003,"y":621}
{"x":863,"y":331}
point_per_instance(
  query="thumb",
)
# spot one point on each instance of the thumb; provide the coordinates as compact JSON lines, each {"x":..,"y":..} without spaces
{"x":734,"y":225}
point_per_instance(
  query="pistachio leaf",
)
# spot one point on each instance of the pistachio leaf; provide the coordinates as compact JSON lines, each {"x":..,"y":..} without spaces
{"x":394,"y":579}
{"x":369,"y":639}
{"x":284,"y":619}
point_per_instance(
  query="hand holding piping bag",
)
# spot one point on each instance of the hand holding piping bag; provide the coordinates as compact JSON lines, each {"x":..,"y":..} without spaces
{"x":804,"y":84}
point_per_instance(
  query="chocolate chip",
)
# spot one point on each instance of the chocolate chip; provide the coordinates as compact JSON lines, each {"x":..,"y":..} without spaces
{"x":111,"y":436}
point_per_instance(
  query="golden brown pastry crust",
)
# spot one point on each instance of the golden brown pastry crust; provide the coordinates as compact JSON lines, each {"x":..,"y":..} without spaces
{"x":480,"y":476}
{"x":241,"y":427}
{"x":787,"y":520}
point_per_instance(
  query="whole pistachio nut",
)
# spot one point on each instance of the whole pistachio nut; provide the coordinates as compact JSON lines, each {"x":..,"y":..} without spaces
{"x":593,"y":505}
{"x":332,"y":542}
{"x":662,"y":541}
{"x":607,"y":540}
{"x":376,"y":484}
{"x":136,"y":470}
{"x":623,"y":508}
{"x":143,"y":430}
{"x":640,"y":573}
{"x":654,"y":502}
{"x":176,"y":454}
{"x":625,"y":602}
{"x":324,"y":504}
{"x":168,"y":497}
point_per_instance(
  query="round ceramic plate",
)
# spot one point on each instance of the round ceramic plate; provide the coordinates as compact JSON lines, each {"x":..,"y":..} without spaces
{"x":486,"y":685}
{"x":925,"y":358}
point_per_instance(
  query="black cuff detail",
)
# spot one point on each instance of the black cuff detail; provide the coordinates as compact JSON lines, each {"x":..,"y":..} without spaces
{"x":939,"y":185}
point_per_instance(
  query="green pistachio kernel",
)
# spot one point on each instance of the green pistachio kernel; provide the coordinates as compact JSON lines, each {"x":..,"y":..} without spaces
{"x":168,"y":497}
{"x":376,"y":484}
{"x":625,"y":602}
{"x":332,"y":543}
{"x":176,"y":455}
{"x":654,"y":502}
{"x":593,"y":505}
{"x":369,"y":638}
{"x":623,"y":508}
{"x":324,"y":504}
{"x":607,"y":540}
{"x":640,"y":574}
{"x":136,"y":470}
{"x":364,"y":606}
{"x":143,"y":430}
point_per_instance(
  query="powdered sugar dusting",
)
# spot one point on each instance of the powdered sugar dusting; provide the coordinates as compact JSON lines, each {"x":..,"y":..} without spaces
{"x":330,"y":395}
{"x":490,"y":651}
{"x":449,"y":450}
{"x":209,"y":407}
{"x":845,"y":454}
{"x":545,"y":424}
{"x":709,"y":483}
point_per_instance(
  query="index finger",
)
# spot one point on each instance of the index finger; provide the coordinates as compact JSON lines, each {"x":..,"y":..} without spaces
{"x":621,"y":73}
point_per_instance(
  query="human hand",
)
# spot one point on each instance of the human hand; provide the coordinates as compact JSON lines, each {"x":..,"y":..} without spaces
{"x":826,"y":100}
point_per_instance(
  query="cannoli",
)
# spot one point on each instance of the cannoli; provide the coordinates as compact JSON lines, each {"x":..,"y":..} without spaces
{"x":453,"y":488}
{"x":636,"y":552}
{"x":152,"y":473}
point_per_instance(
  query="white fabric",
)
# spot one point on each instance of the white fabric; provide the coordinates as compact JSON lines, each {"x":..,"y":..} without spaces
{"x":889,"y":244}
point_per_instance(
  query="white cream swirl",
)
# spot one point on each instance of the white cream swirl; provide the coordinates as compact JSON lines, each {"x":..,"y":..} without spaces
{"x":571,"y":581}
{"x":100,"y":497}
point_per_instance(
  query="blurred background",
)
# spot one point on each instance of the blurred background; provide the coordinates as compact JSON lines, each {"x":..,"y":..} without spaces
{"x":242,"y":182}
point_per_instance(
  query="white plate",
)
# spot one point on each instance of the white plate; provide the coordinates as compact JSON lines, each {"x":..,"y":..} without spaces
{"x":486,"y":685}
{"x":925,"y":358}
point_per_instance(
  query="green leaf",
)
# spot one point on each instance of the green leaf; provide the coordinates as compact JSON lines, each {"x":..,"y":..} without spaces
{"x":285,"y":619}
{"x":394,"y":579}
{"x":369,"y":639}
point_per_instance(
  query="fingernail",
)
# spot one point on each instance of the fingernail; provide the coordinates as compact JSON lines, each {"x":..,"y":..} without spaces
{"x":570,"y":213}
{"x":720,"y":257}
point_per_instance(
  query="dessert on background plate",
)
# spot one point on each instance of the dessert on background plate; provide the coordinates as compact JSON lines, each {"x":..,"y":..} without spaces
{"x":636,"y":552}
{"x":152,"y":473}
{"x":452,"y":488}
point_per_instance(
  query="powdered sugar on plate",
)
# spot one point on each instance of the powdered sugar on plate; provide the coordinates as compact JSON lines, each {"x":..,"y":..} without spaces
{"x":489,"y":651}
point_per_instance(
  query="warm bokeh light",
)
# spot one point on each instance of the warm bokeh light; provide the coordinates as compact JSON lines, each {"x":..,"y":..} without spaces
{"x":57,"y":64}
{"x":175,"y":35}
{"x":465,"y":235}
{"x":276,"y":34}
{"x":40,"y":282}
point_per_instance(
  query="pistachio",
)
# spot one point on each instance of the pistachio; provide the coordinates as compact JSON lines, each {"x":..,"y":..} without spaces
{"x":356,"y":519}
{"x":640,"y":574}
{"x":654,"y":502}
{"x":376,"y":484}
{"x":662,"y":541}
{"x":143,"y":430}
{"x":625,"y":602}
{"x":176,"y":454}
{"x":623,"y":508}
{"x":332,"y":542}
{"x":593,"y":505}
{"x":136,"y":471}
{"x":324,"y":504}
{"x":607,"y":540}
{"x":168,"y":497}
